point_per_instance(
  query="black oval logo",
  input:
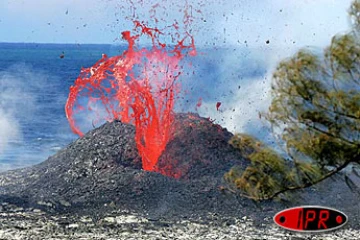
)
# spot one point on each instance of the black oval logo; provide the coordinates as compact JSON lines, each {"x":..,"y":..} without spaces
{"x":310,"y":219}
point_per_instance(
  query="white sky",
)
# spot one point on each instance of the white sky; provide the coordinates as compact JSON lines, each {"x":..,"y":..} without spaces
{"x":284,"y":22}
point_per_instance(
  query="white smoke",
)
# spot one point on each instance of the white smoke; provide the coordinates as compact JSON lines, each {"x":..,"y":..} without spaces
{"x":10,"y":98}
{"x":9,"y":129}
{"x":22,"y":107}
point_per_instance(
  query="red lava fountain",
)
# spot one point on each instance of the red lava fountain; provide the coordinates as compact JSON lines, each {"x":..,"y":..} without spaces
{"x":137,"y":87}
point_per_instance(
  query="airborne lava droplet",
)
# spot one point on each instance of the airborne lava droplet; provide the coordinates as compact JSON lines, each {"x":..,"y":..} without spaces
{"x":218,"y":104}
{"x":199,"y":103}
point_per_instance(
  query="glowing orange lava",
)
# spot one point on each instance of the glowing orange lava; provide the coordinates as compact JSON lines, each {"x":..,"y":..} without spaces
{"x":136,"y":87}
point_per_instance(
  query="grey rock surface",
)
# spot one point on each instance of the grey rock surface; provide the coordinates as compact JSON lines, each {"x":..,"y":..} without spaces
{"x":35,"y":224}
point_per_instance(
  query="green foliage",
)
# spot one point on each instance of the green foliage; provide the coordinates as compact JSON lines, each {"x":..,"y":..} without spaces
{"x":268,"y":173}
{"x":247,"y":144}
{"x":315,"y":112}
{"x":354,"y":13}
{"x":316,"y":103}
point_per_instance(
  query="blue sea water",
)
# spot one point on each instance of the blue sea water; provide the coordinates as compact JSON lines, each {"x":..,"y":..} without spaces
{"x":35,"y":82}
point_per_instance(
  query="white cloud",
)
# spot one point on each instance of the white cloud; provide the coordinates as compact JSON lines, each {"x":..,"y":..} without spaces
{"x":286,"y":23}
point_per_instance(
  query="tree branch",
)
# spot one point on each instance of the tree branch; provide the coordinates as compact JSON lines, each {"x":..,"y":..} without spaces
{"x":329,"y":174}
{"x":309,"y":184}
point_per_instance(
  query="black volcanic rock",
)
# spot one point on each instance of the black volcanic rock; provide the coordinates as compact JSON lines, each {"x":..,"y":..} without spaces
{"x":75,"y":171}
{"x":199,"y":148}
{"x":104,"y":167}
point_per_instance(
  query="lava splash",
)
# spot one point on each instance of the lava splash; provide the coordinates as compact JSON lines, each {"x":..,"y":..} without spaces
{"x":137,"y":87}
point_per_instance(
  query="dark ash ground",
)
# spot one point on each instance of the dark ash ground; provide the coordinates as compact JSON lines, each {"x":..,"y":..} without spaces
{"x":101,"y":172}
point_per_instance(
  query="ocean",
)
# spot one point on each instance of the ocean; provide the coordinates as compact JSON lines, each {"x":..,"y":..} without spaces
{"x":35,"y":81}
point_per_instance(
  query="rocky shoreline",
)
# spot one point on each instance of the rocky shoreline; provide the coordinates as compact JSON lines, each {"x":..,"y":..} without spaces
{"x":35,"y":224}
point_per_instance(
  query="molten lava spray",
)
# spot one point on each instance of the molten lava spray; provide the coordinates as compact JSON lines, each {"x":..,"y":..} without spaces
{"x":137,"y":87}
